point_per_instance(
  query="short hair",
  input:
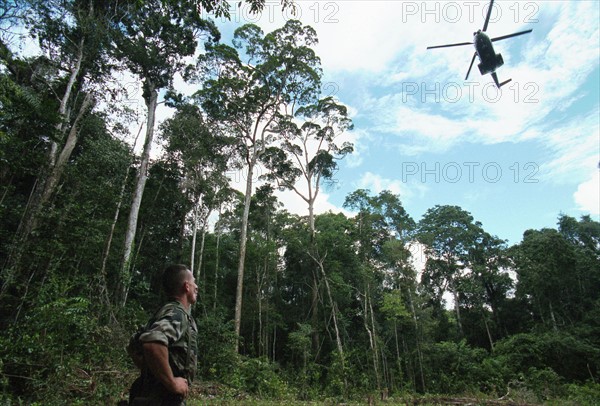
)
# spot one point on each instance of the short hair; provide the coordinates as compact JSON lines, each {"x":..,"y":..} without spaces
{"x":173,"y":278}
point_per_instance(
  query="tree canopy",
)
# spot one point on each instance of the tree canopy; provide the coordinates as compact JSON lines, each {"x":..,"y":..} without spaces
{"x":336,"y":307}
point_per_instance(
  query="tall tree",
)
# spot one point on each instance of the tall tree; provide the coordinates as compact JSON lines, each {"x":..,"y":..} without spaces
{"x":153,"y":39}
{"x":380,"y":221}
{"x":546,"y":267}
{"x":306,"y":158}
{"x":202,"y":154}
{"x":487,"y":284}
{"x":449,"y":234}
{"x":247,"y":92}
{"x":72,"y":36}
{"x":584,"y":237}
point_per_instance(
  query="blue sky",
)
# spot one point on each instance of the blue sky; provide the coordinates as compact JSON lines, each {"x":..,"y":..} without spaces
{"x":515,"y":160}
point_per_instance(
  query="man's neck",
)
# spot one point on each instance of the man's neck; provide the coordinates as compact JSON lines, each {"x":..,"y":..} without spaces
{"x":183,"y":300}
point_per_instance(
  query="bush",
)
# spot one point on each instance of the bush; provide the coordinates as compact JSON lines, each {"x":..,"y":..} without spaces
{"x":217,"y":358}
{"x":570,"y":358}
{"x":584,"y":395}
{"x":59,"y":353}
{"x":261,"y":377}
{"x":454,"y":368}
{"x":544,"y":383}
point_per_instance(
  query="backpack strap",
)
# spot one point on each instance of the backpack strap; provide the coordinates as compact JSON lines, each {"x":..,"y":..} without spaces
{"x":188,"y":363}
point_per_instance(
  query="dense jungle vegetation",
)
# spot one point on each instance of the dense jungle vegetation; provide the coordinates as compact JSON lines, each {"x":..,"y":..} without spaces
{"x":376,"y":305}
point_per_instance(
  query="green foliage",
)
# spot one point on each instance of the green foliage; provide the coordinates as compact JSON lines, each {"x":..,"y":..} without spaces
{"x":544,"y":383}
{"x":261,"y":377}
{"x":571,"y":358}
{"x":526,"y":321}
{"x":457,"y":368}
{"x":216,"y":358}
{"x":393,"y":306}
{"x":58,"y":352}
{"x":585,"y":395}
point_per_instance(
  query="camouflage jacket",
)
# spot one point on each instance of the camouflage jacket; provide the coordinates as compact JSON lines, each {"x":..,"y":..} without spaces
{"x":174,"y":327}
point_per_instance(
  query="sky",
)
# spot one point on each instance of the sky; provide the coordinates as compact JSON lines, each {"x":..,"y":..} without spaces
{"x":515,"y":159}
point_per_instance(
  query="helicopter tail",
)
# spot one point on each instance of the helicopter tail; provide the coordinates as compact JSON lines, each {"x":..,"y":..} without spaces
{"x":498,"y":84}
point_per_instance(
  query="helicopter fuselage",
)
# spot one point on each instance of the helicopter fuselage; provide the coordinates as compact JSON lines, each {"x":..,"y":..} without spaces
{"x":490,"y":61}
{"x":488,"y":58}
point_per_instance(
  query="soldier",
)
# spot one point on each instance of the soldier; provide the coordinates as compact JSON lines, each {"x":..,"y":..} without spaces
{"x":169,"y":345}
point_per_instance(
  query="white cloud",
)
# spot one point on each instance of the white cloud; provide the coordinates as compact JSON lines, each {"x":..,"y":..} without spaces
{"x":574,"y":148}
{"x":296,"y":205}
{"x":587,"y":195}
{"x":423,"y":109}
{"x":377,"y":184}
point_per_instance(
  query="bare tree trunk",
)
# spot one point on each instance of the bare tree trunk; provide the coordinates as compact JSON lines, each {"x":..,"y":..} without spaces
{"x":142,"y":176}
{"x":418,"y":340}
{"x":216,"y":271}
{"x":371,"y":332}
{"x":398,"y":358}
{"x":457,"y":311}
{"x":338,"y":339}
{"x":65,"y":153}
{"x":194,"y":232}
{"x":314,"y":314}
{"x":62,"y":109}
{"x":29,"y":220}
{"x":201,"y":254}
{"x":103,"y":275}
{"x":552,"y":317}
{"x":375,"y":346}
{"x":259,"y":282}
{"x":48,"y":186}
{"x":315,"y":285}
{"x":41,"y":194}
{"x":243,"y":239}
{"x":487,"y":329}
{"x":201,"y":257}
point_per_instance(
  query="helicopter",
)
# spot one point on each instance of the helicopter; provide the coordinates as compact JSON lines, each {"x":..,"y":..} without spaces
{"x":489,"y":59}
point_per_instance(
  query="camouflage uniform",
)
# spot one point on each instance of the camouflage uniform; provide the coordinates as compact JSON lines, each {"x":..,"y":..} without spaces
{"x":174,"y":327}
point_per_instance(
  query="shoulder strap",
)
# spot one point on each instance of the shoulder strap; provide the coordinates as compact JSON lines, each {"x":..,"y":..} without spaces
{"x":188,"y":363}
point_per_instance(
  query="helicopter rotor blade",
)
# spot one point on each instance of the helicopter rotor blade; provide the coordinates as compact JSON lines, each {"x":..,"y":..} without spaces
{"x":450,"y":45}
{"x":511,"y":35}
{"x":471,"y":65}
{"x":487,"y":18}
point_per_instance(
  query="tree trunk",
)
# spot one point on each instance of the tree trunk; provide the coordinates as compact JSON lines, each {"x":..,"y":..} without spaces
{"x":201,"y":257}
{"x":315,"y":285}
{"x":457,"y":310}
{"x":487,"y":329}
{"x":314,"y":314}
{"x":216,"y":271}
{"x":418,"y":341}
{"x":338,"y":339}
{"x":193,"y":248}
{"x":398,"y":357}
{"x":367,"y":309}
{"x":552,"y":317}
{"x":103,"y":275}
{"x":41,"y":194}
{"x":62,"y":109}
{"x":243,"y":239}
{"x":142,"y":176}
{"x":259,"y":281}
{"x":65,"y":154}
{"x":375,"y":346}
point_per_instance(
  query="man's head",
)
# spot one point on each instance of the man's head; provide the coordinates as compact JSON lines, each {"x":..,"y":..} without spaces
{"x":178,"y":282}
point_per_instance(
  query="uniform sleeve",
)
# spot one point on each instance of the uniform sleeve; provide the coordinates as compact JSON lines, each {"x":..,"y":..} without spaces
{"x":167,"y":328}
